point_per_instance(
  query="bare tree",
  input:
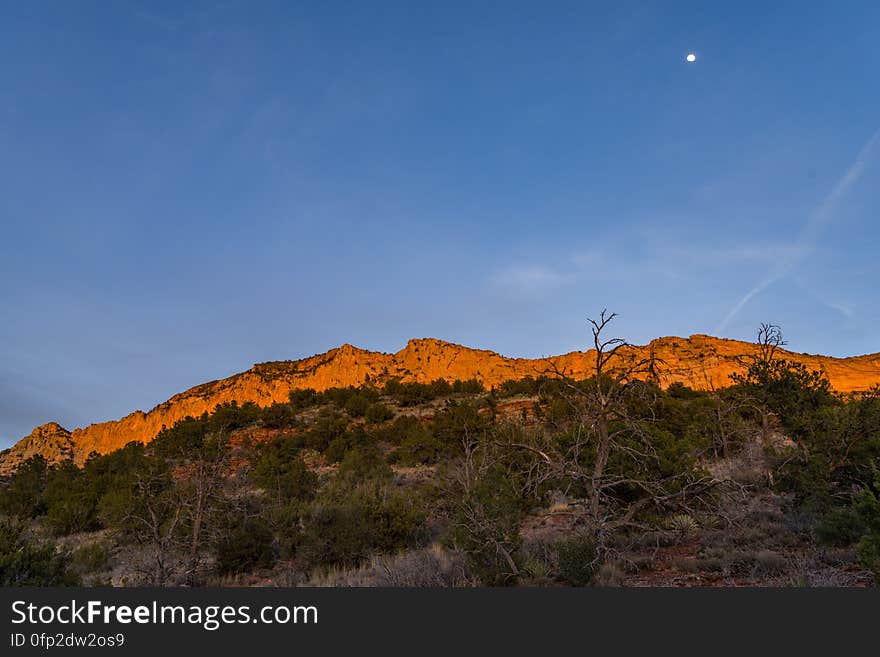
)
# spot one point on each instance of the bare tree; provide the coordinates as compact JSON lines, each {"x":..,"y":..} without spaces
{"x":727,"y":427}
{"x":484,"y":510}
{"x":760,"y":368}
{"x":148,"y":513}
{"x":769,"y":342}
{"x":205,"y":474}
{"x":167,"y":510}
{"x":611,"y":455}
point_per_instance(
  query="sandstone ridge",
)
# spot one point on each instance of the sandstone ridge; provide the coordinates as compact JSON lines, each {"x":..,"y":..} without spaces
{"x":699,"y":361}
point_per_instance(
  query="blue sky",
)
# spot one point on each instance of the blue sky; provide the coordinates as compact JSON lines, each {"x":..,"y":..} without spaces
{"x":189,"y":189}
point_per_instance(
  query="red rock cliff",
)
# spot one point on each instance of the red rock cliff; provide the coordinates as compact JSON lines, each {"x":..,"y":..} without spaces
{"x":699,"y":361}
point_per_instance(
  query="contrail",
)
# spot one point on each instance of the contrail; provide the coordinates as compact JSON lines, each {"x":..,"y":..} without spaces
{"x":811,"y":230}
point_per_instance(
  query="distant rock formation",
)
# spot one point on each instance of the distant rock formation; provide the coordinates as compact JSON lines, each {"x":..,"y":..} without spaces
{"x":51,"y":440}
{"x":699,"y":361}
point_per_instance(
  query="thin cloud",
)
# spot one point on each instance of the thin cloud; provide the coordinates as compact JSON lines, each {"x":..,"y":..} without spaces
{"x":651,"y":258}
{"x":734,"y":255}
{"x":679,"y":258}
{"x":811,"y":230}
{"x":527,"y":278}
{"x":844,"y":308}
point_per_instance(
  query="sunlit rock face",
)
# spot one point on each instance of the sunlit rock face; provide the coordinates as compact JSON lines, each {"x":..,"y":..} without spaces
{"x":51,"y":440}
{"x":700,"y":362}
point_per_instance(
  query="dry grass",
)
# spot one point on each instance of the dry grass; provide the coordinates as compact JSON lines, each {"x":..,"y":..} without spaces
{"x":433,"y":566}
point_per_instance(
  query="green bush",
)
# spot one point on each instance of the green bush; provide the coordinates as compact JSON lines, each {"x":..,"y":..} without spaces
{"x":90,"y":559}
{"x":335,"y":535}
{"x":287,"y":522}
{"x":303,"y":399}
{"x":71,"y":502}
{"x":230,"y":416}
{"x":397,"y":431}
{"x":828,"y":473}
{"x":420,"y":446}
{"x":526,"y":386}
{"x":357,"y":405}
{"x":279,"y":416}
{"x":77,"y":512}
{"x":354,"y":521}
{"x":246,"y":546}
{"x":455,"y":421}
{"x":413,"y":394}
{"x":362,"y":463}
{"x":868,"y":508}
{"x":577,"y":560}
{"x":378,"y":412}
{"x":486,"y":518}
{"x":23,"y":494}
{"x":328,"y":425}
{"x":279,"y":469}
{"x":109,"y":472}
{"x":185,"y":437}
{"x":840,"y":527}
{"x":348,"y":441}
{"x":27,"y":563}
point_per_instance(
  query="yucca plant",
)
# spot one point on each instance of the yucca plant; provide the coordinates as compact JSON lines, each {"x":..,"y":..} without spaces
{"x":683,"y":525}
{"x":537,"y":568}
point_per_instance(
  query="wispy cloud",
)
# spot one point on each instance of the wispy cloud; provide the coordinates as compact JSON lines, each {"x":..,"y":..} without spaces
{"x":637,"y":258}
{"x":527,"y":279}
{"x":845,"y":308}
{"x":811,"y":230}
{"x":738,"y":254}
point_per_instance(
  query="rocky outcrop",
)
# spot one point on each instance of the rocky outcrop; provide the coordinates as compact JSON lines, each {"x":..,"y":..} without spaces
{"x":51,"y":440}
{"x":699,"y":361}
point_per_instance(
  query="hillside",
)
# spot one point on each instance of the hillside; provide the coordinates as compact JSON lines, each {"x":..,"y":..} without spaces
{"x":700,"y":362}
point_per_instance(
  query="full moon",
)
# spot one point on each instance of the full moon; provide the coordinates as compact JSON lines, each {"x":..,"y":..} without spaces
{"x":691,"y":57}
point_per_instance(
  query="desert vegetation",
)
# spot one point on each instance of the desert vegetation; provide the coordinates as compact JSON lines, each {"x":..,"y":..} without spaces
{"x":541,"y":481}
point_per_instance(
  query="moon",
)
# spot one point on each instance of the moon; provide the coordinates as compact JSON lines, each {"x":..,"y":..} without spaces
{"x":691,"y":57}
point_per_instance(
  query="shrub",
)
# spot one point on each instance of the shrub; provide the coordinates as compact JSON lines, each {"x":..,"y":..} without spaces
{"x":90,"y":558}
{"x":397,"y":431}
{"x":840,"y":527}
{"x":767,"y":563}
{"x":328,"y":425}
{"x":526,"y":386}
{"x":23,"y":496}
{"x":868,"y":507}
{"x":577,"y":559}
{"x":378,"y":412}
{"x":340,"y":446}
{"x":683,"y":525}
{"x":420,"y":446}
{"x":433,"y":566}
{"x":280,"y":470}
{"x":246,"y":546}
{"x":357,"y":405}
{"x":351,"y":523}
{"x":413,"y":394}
{"x":71,"y":504}
{"x":230,"y":416}
{"x":186,"y":437}
{"x":27,"y":563}
{"x":303,"y":399}
{"x":456,"y":420}
{"x":279,"y":416}
{"x":335,"y":534}
{"x":486,"y":526}
{"x":362,"y":463}
{"x":76,"y":512}
{"x":287,"y":524}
